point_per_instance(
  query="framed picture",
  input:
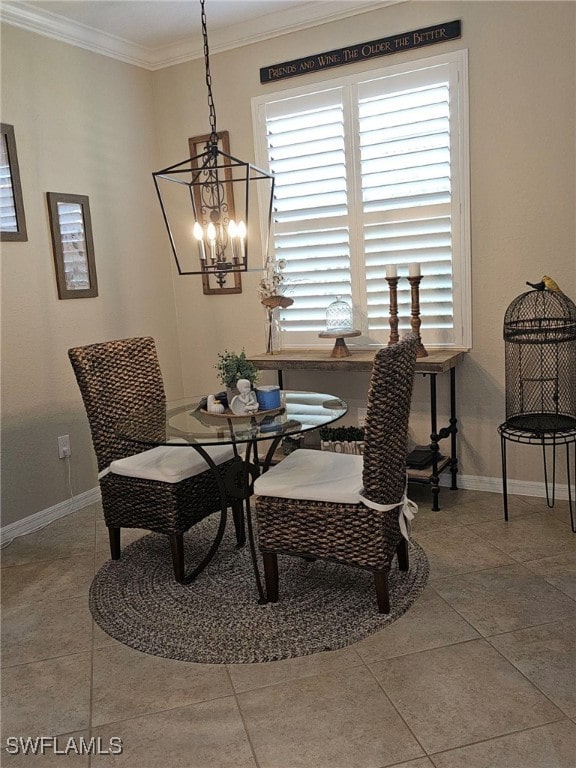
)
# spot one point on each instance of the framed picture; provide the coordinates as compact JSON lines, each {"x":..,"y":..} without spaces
{"x":73,"y":247}
{"x":12,"y":218}
{"x":197,"y":145}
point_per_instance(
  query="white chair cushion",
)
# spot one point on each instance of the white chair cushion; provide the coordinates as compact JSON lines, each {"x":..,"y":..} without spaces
{"x":169,"y":464}
{"x":314,"y":475}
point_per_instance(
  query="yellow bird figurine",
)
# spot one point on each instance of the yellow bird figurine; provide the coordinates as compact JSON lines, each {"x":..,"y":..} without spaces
{"x":551,"y":285}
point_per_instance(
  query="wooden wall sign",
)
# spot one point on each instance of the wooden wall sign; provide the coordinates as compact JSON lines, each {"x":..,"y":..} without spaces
{"x":385,"y":46}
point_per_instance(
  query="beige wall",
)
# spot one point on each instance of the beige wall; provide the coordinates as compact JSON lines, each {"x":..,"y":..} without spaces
{"x":83,"y":125}
{"x":90,"y":125}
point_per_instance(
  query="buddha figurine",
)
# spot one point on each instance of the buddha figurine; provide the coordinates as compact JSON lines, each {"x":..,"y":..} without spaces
{"x":245,"y":402}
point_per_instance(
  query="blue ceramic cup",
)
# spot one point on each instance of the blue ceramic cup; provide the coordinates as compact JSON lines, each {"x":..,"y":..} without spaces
{"x":268,"y":396}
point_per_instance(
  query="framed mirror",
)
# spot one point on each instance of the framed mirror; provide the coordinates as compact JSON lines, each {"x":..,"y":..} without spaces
{"x":12,"y":218}
{"x":73,"y":246}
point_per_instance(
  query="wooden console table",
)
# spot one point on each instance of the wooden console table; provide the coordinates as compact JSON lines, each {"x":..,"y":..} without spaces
{"x":438,"y":361}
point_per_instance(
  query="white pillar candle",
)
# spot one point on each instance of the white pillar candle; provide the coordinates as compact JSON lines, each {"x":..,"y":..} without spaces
{"x":233,"y":233}
{"x":414,"y":270}
{"x":211,"y":232}
{"x":199,"y":235}
{"x":391,"y":270}
{"x":242,"y":237}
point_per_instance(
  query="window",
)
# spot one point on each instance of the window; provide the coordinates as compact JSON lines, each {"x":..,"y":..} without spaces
{"x":12,"y":218}
{"x":73,"y":245}
{"x":372,"y":170}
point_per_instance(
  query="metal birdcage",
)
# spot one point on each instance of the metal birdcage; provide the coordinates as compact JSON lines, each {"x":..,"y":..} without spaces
{"x":540,"y":353}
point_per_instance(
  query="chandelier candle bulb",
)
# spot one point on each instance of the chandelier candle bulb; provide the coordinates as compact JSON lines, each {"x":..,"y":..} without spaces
{"x":242,"y":238}
{"x":199,"y":235}
{"x":233,"y":233}
{"x":211,"y":232}
{"x":414,"y":270}
{"x":391,"y":270}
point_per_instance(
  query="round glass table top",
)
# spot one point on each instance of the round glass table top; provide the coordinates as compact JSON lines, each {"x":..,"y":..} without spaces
{"x":187,"y":421}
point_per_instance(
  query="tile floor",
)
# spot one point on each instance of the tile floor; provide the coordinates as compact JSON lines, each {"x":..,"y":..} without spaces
{"x":480,"y":673}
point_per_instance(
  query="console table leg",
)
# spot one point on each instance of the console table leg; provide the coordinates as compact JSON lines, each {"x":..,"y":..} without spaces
{"x":435,"y":482}
{"x":453,"y":431}
{"x":435,"y":493}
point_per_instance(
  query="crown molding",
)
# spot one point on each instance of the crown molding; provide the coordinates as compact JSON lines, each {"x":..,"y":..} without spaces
{"x":82,"y":36}
{"x":51,"y":25}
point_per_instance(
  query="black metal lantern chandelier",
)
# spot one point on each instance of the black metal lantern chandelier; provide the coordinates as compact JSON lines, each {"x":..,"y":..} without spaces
{"x":213,"y":237}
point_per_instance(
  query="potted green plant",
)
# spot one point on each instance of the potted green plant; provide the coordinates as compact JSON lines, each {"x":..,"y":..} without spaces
{"x":231,"y":367}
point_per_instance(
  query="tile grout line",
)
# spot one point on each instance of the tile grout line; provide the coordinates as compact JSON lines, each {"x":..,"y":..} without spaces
{"x":242,"y":718}
{"x":495,"y":738}
{"x":534,"y":684}
{"x":506,"y":631}
{"x":564,"y":716}
{"x":395,"y":708}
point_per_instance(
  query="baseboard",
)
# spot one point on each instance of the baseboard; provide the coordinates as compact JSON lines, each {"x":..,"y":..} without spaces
{"x":46,"y":516}
{"x":515,"y":487}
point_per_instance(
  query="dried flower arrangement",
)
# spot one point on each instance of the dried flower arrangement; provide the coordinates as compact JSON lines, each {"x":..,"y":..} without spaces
{"x":271,"y":290}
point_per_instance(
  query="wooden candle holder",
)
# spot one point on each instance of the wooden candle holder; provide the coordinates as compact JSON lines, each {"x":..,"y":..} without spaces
{"x":393,"y":286}
{"x":415,"y":321}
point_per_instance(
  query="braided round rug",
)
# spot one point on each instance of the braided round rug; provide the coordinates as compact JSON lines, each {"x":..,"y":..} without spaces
{"x":217,"y":619}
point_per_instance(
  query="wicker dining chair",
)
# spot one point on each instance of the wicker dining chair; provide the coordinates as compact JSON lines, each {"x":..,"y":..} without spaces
{"x":342,"y":507}
{"x":166,"y":489}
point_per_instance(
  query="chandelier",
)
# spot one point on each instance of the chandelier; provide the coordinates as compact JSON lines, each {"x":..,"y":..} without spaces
{"x":208,"y":203}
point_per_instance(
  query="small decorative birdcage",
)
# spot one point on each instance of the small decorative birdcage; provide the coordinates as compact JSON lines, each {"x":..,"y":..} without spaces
{"x":540,"y":352}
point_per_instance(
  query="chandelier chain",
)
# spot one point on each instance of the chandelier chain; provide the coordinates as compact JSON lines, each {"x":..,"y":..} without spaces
{"x":214,"y":232}
{"x":211,"y":107}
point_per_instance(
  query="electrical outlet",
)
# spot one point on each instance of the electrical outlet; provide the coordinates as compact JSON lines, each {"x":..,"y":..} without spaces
{"x":64,"y":446}
{"x":361,"y":416}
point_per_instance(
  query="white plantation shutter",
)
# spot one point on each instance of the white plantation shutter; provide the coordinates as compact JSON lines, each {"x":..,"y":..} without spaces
{"x":404,"y":138}
{"x":370,"y":173}
{"x":8,"y":219}
{"x":306,"y":153}
{"x":75,"y":257}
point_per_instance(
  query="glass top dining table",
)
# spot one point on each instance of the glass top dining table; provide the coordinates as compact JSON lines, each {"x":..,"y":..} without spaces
{"x":187,"y":422}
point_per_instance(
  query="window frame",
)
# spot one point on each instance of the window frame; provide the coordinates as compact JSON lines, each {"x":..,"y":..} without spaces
{"x":19,"y":234}
{"x":457,"y":62}
{"x":54,"y":199}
